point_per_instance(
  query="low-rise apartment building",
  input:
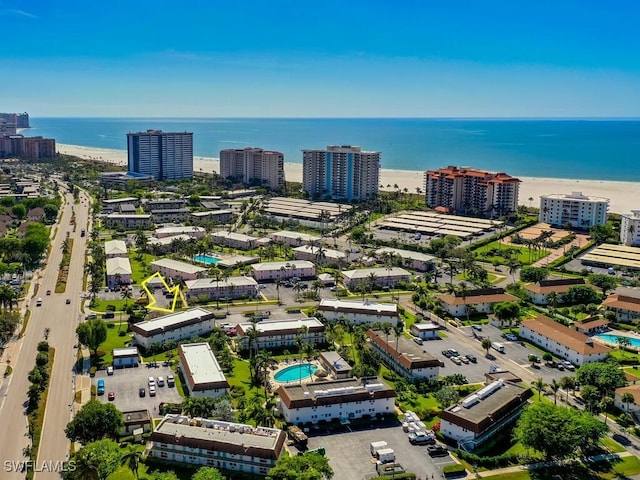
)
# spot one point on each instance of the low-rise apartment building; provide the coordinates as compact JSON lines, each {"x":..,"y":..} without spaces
{"x":380,"y":277}
{"x":404,"y":356}
{"x":294,"y":239}
{"x":118,"y":271}
{"x":336,"y":366}
{"x":175,"y":269}
{"x":481,"y":300}
{"x":538,"y":293}
{"x":202,"y":373}
{"x":191,"y":231}
{"x":358,"y":313}
{"x":163,"y":204}
{"x":282,"y":333}
{"x":346,"y":399}
{"x":176,"y":215}
{"x":410,"y":259}
{"x":564,"y":342}
{"x":128,"y":222}
{"x":625,"y":305}
{"x":213,"y":443}
{"x":319,"y":255}
{"x":215,"y":216}
{"x":270,"y":271}
{"x":232,"y":287}
{"x":234,"y":240}
{"x":425,"y":331}
{"x":115,"y":248}
{"x":173,"y":327}
{"x":481,"y":415}
{"x":113,"y":204}
{"x":125,"y":357}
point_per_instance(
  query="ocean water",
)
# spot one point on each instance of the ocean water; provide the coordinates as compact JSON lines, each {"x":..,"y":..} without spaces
{"x":586,"y":149}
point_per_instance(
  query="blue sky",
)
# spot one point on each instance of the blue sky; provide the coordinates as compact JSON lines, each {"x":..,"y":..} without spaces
{"x":325,"y":58}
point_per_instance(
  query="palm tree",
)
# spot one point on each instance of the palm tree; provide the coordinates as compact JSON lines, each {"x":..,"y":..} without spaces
{"x":554,"y":386}
{"x":553,"y":299}
{"x":627,"y":398}
{"x":539,"y":386}
{"x":386,"y":328}
{"x":398,"y":329}
{"x":131,"y":458}
{"x":486,"y":344}
{"x":605,"y":404}
{"x":567,"y":383}
{"x":278,"y":283}
{"x":125,"y":295}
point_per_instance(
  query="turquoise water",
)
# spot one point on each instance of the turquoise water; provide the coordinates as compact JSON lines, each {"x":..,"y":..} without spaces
{"x":295,"y":372}
{"x":635,"y":342}
{"x":207,"y":259}
{"x":525,"y":147}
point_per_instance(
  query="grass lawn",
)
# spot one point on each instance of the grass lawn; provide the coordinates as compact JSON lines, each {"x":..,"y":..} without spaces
{"x":119,"y":304}
{"x":138,"y":269}
{"x":113,"y":341}
{"x":492,"y":253}
{"x":241,"y":376}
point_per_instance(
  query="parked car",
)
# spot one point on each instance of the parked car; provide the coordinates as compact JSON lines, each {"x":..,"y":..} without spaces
{"x":456,"y":360}
{"x":170,"y":381}
{"x":472,"y":358}
{"x":421,"y":439}
{"x":511,"y":337}
{"x":418,"y":340}
{"x":48,"y":292}
{"x":152,"y":382}
{"x":142,"y":392}
{"x":333,"y":289}
{"x":160,"y":381}
{"x":68,"y":301}
{"x":152,"y":391}
{"x":111,"y":396}
{"x":100,"y":387}
{"x":437,"y":451}
{"x":453,"y":352}
{"x":477,"y":327}
{"x":464,"y":360}
{"x":569,"y":366}
{"x":109,"y":370}
{"x":446,"y":353}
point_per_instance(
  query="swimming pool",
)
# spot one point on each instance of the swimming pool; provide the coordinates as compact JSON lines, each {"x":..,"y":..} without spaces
{"x":207,"y":259}
{"x":607,"y":337}
{"x":295,"y":373}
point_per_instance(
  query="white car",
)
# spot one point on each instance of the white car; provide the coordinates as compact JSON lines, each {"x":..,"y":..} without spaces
{"x":160,"y":381}
{"x":152,"y":391}
{"x":109,"y":370}
{"x":152,"y":382}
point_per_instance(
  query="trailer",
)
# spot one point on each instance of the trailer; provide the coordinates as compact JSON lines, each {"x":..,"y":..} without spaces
{"x":375,"y":446}
{"x":497,"y":346}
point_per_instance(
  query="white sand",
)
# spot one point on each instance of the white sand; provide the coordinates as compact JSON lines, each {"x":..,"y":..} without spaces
{"x":623,"y":196}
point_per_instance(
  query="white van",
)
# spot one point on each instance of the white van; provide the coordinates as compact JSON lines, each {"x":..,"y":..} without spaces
{"x":386,"y":455}
{"x":39,"y":302}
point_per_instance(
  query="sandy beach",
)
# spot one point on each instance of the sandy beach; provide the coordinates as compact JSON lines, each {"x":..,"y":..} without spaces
{"x":623,"y":196}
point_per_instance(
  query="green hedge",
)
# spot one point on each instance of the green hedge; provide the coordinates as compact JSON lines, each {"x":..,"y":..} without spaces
{"x":400,"y":476}
{"x":454,"y":470}
{"x":497,"y":461}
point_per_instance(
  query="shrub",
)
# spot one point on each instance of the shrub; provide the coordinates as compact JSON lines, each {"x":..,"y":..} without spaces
{"x":92,"y":371}
{"x":42,"y":359}
{"x":454,"y":470}
{"x":43,"y":346}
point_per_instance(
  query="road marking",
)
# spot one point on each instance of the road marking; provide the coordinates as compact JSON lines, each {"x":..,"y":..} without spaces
{"x":152,"y":303}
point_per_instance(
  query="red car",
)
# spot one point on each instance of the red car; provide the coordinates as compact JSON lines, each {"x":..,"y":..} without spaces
{"x":111,"y":396}
{"x":48,"y":292}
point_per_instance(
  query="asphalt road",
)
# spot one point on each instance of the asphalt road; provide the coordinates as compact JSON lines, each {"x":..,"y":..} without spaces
{"x":63,"y":319}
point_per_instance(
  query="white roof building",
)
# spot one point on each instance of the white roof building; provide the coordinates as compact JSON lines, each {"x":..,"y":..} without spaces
{"x":176,"y":269}
{"x":318,"y":254}
{"x":581,"y":211}
{"x":115,"y":248}
{"x":293,"y":238}
{"x":193,"y":232}
{"x":173,"y":327}
{"x":357,"y":312}
{"x":202,"y":372}
{"x":382,"y":276}
{"x":118,"y":266}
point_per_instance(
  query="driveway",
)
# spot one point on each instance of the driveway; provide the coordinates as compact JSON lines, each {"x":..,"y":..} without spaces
{"x":126,"y":382}
{"x":350,"y":458}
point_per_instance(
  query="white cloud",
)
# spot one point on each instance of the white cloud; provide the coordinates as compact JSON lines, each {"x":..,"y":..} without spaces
{"x":14,"y":12}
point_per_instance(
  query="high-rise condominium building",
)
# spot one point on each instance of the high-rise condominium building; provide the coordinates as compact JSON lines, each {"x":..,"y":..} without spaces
{"x":630,"y":228}
{"x":581,"y":211}
{"x":253,"y":166}
{"x":164,"y":155}
{"x":341,"y":172}
{"x":471,"y":191}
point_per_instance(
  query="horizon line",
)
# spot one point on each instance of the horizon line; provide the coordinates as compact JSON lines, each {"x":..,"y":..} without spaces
{"x":498,"y":118}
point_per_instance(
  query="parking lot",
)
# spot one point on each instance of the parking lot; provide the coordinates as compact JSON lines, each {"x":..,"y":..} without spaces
{"x":350,"y":458}
{"x":126,"y":382}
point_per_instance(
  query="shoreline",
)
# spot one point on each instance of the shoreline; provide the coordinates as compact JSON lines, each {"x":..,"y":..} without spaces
{"x":623,"y":196}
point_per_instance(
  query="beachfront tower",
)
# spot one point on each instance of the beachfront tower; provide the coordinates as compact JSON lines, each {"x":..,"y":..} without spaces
{"x":253,"y":166}
{"x":469,"y":191}
{"x":630,"y":228}
{"x":341,"y":172}
{"x":575,"y":209}
{"x":164,"y":155}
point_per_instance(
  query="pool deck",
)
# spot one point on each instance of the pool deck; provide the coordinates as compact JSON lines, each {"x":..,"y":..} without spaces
{"x":283,"y":365}
{"x":618,"y":333}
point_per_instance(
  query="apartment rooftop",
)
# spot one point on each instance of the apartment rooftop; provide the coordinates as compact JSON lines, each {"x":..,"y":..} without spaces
{"x":181,"y":230}
{"x":409,"y":254}
{"x":364,"y":273}
{"x":408,"y":353}
{"x":115,"y":247}
{"x":118,"y":266}
{"x":354,"y":306}
{"x":304,"y":237}
{"x":280,"y":327}
{"x":201,"y":368}
{"x":171,"y":321}
{"x":215,"y":435}
{"x":222,"y":283}
{"x":178,"y":266}
{"x":482,"y":409}
{"x":572,"y":339}
{"x":289,"y":264}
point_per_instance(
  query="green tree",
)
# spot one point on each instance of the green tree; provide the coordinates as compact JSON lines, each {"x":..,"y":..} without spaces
{"x":533,"y":274}
{"x":604,"y":376}
{"x":92,"y":333}
{"x":94,"y":421}
{"x":208,"y":473}
{"x":310,"y":466}
{"x":19,"y":211}
{"x":170,"y":475}
{"x":486,"y":344}
{"x":95,"y":461}
{"x":539,"y":386}
{"x":506,"y":311}
{"x":131,"y":459}
{"x":600,"y":233}
{"x":446,"y":396}
{"x":581,"y":294}
{"x":604,"y":282}
{"x":627,"y":398}
{"x":557,"y":432}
